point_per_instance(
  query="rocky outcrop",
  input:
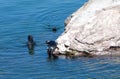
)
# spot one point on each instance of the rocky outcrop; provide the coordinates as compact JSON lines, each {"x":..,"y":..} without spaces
{"x":94,"y":28}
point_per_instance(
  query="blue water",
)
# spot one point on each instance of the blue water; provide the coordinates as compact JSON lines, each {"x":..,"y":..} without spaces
{"x":20,"y":18}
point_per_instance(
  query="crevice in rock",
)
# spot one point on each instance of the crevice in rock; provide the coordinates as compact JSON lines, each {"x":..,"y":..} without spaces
{"x":84,"y":42}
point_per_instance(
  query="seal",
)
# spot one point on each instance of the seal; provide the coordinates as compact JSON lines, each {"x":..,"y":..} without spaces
{"x":30,"y":42}
{"x":51,"y":47}
{"x":54,"y":29}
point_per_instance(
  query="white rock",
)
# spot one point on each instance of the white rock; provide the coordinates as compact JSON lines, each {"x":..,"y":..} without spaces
{"x":93,"y":27}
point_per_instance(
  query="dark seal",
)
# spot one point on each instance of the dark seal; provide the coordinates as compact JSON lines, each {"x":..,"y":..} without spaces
{"x":51,"y":47}
{"x":54,"y":29}
{"x":30,"y":43}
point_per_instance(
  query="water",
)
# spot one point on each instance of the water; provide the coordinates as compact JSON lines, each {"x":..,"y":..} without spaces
{"x":19,"y":18}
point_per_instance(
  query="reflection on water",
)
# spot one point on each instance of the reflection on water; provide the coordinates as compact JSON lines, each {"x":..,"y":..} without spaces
{"x":20,"y":18}
{"x":31,"y":51}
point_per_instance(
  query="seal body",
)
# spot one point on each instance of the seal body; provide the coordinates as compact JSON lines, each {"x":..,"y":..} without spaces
{"x":51,"y":47}
{"x":30,"y":42}
{"x":54,"y":29}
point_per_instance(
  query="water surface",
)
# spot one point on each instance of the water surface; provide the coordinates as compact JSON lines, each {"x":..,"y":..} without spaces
{"x":20,"y":18}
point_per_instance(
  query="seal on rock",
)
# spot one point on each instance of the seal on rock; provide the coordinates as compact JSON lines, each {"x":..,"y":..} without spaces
{"x":51,"y":47}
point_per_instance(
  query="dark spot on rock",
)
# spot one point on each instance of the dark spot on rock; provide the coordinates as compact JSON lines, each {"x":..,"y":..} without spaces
{"x":66,"y":46}
{"x":114,"y":47}
{"x":86,"y":54}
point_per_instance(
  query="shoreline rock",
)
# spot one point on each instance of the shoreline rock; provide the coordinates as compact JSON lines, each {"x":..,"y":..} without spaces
{"x":94,"y":28}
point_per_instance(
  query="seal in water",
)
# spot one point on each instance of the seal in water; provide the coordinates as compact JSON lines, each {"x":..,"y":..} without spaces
{"x":51,"y":47}
{"x":54,"y":29}
{"x":30,"y":42}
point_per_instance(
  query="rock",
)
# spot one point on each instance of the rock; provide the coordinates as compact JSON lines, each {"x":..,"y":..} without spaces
{"x":94,"y":28}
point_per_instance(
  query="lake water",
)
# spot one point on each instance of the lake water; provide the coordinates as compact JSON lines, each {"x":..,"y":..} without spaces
{"x":20,"y":18}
